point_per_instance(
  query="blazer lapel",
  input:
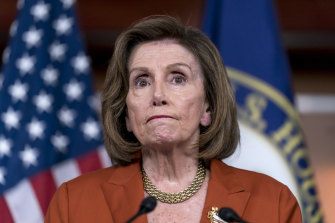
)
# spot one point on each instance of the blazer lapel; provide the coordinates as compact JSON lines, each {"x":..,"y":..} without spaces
{"x":124,"y":193}
{"x":224,"y":190}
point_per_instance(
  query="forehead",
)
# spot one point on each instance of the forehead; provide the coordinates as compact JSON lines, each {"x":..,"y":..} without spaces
{"x":166,"y":51}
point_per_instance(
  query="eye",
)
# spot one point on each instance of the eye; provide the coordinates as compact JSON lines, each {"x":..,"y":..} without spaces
{"x":178,"y":79}
{"x":142,"y":81}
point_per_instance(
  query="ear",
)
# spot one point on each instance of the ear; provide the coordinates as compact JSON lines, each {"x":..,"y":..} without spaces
{"x":206,"y":119}
{"x":128,"y":125}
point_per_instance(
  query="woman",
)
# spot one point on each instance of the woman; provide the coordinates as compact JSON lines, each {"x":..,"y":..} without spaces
{"x":169,"y":117}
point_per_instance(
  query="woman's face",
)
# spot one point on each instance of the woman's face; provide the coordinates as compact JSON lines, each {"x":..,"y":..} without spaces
{"x":166,"y":100}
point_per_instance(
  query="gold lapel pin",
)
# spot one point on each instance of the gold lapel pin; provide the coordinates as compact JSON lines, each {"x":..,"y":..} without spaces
{"x":214,"y":217}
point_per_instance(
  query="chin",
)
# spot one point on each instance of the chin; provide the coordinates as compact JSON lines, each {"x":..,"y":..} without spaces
{"x":161,"y":140}
{"x":164,"y":134}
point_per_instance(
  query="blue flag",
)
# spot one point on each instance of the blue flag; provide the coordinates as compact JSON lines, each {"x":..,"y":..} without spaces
{"x":49,"y":133}
{"x":247,"y":36}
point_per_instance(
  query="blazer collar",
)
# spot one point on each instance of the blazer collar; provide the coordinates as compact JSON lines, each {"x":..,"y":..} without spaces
{"x":224,"y":190}
{"x":124,"y":192}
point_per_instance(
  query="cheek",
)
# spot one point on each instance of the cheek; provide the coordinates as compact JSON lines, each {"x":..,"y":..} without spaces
{"x":132,"y":113}
{"x":133,"y":116}
{"x":192,"y":108}
{"x":131,"y":122}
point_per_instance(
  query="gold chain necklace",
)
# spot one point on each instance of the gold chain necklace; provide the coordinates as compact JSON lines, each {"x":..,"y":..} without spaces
{"x":173,"y":198}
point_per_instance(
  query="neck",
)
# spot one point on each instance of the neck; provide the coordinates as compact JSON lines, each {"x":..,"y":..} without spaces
{"x":170,"y":170}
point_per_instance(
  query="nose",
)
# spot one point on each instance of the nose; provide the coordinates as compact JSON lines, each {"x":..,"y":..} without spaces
{"x":159,"y":96}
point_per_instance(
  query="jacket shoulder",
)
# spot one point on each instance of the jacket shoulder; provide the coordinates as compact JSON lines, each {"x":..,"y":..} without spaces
{"x":250,"y":180}
{"x":93,"y":178}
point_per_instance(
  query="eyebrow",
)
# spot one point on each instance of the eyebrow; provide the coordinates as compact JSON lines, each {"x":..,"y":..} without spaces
{"x":169,"y":67}
{"x":139,"y":68}
{"x":179,"y":64}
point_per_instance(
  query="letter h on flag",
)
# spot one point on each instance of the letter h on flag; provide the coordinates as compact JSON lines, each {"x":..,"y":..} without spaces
{"x":246,"y":34}
{"x":49,"y":130}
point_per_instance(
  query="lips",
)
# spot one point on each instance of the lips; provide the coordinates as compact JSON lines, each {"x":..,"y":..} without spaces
{"x":158,"y":117}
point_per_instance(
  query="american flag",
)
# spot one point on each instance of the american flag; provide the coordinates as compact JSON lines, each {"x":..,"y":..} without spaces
{"x":49,"y":129}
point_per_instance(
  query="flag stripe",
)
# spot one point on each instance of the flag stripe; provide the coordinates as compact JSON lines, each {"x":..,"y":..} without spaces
{"x":104,"y":158}
{"x":23,"y":204}
{"x":44,"y":187}
{"x":6,"y":217}
{"x":89,"y":162}
{"x":65,"y":171}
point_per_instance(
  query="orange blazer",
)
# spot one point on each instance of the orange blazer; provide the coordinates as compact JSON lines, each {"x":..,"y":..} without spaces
{"x":114,"y":195}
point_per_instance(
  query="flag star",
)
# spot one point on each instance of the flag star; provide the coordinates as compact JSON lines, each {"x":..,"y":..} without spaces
{"x":50,"y":75}
{"x":80,"y":63}
{"x":66,"y":116}
{"x":94,"y":102}
{"x":5,"y":146}
{"x":60,"y":142}
{"x":35,"y":129}
{"x":29,"y":156}
{"x":57,"y":51}
{"x":2,"y":175}
{"x":18,"y":91}
{"x":40,"y":11}
{"x":32,"y":37}
{"x":13,"y":28}
{"x":63,"y":25}
{"x":11,"y":118}
{"x":67,"y":3}
{"x":5,"y":55}
{"x":90,"y":129}
{"x":73,"y":90}
{"x":26,"y":63}
{"x":43,"y":102}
